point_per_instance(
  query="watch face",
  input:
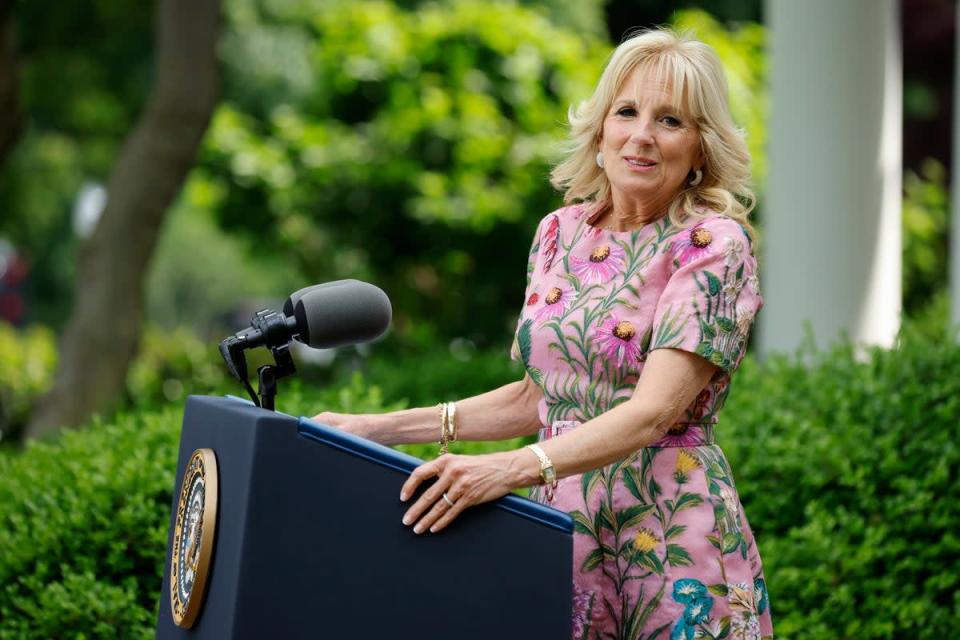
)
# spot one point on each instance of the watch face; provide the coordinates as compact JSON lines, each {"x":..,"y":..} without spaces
{"x":193,"y":537}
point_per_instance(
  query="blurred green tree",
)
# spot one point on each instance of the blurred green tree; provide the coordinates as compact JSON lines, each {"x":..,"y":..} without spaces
{"x":104,"y":328}
{"x":406,"y":147}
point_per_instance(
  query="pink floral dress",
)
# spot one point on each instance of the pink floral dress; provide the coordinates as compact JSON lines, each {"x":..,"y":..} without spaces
{"x":662,"y":548}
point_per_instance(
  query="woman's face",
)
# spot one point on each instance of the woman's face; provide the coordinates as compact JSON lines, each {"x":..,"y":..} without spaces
{"x":649,"y":147}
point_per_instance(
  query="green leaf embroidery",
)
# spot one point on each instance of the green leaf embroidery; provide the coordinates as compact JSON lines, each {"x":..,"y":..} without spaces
{"x":707,"y":330}
{"x":650,"y":561}
{"x":592,"y":561}
{"x":582,"y":524}
{"x":605,"y":517}
{"x":730,"y":542}
{"x":725,"y":324}
{"x":536,"y":375}
{"x":631,"y":480}
{"x":645,"y":339}
{"x":674,"y":531}
{"x":719,"y":589}
{"x":523,"y":341}
{"x":633,"y":515}
{"x":588,"y":481}
{"x":678,"y":556}
{"x":713,"y":283}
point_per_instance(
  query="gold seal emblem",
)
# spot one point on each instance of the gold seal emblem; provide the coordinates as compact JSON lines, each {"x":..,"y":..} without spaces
{"x":193,"y":537}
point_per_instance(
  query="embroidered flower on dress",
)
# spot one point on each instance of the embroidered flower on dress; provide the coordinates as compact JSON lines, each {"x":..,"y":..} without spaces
{"x":744,"y":627}
{"x":698,"y":610}
{"x":686,"y":462}
{"x":693,"y":245}
{"x":686,"y":590}
{"x":732,"y":249}
{"x":645,"y":540}
{"x":604,"y":263}
{"x":618,"y":340}
{"x":730,"y":501}
{"x":683,"y":434}
{"x":754,"y":283}
{"x":555,"y":303}
{"x":549,"y":241}
{"x":731,"y":290}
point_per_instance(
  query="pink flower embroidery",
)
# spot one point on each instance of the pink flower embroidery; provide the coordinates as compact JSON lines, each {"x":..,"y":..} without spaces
{"x":603,"y":264}
{"x":693,"y":245}
{"x":555,"y":303}
{"x":683,"y":435}
{"x":618,"y":340}
{"x":549,"y":241}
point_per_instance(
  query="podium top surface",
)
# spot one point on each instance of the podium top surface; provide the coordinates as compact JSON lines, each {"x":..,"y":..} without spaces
{"x":405,"y":463}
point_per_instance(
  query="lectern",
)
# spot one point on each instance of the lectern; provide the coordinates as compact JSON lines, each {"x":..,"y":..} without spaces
{"x":298,"y":526}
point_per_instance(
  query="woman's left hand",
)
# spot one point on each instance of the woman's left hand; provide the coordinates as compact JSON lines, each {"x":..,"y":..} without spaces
{"x":465,"y":481}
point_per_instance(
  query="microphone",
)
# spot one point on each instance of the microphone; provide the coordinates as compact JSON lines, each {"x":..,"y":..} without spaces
{"x":322,"y":316}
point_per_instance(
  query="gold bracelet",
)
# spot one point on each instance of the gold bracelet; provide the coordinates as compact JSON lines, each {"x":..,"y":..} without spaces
{"x":452,"y":421}
{"x":444,"y":447}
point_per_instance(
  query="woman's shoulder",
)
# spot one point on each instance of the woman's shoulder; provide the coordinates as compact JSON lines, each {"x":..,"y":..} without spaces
{"x":567,"y":213}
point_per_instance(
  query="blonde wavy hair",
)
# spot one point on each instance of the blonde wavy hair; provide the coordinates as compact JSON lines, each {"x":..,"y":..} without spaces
{"x":695,"y":75}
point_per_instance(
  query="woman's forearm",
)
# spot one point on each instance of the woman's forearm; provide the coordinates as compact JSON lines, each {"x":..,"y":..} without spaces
{"x":505,"y":412}
{"x":669,"y":384}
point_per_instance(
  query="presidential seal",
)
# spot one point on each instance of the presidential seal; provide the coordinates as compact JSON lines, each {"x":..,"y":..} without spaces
{"x":193,"y":537}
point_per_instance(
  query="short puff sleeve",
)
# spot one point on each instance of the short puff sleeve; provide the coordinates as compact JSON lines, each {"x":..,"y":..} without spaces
{"x":713,"y":295}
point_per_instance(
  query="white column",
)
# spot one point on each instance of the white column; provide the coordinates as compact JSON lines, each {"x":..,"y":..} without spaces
{"x":831,"y":217}
{"x":954,"y":252}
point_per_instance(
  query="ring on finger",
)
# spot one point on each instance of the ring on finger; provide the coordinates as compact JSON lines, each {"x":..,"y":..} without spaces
{"x":447,"y":499}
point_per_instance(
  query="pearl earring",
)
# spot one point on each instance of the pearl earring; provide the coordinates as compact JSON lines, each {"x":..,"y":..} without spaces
{"x":600,"y":159}
{"x":697,"y":177}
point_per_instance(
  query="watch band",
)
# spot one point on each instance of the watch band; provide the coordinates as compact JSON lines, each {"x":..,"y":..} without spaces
{"x":548,"y":473}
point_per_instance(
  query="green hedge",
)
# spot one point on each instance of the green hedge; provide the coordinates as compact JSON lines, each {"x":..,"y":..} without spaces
{"x":847,"y":463}
{"x":848,"y":466}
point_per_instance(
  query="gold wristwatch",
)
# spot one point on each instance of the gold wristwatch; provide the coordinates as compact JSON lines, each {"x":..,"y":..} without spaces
{"x":548,"y":474}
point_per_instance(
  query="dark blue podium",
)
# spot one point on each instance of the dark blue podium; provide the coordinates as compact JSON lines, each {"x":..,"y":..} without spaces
{"x":309,"y":543}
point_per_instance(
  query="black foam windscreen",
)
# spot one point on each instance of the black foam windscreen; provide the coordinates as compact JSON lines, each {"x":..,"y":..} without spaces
{"x":290,"y":305}
{"x":346,"y":312}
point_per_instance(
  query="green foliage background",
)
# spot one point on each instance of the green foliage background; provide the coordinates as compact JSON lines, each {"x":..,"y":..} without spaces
{"x":408,"y":143}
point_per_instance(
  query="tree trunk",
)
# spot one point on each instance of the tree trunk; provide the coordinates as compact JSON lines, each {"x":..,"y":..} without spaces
{"x":104,"y":328}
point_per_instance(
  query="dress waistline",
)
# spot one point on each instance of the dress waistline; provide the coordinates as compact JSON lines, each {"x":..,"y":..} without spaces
{"x":682,"y":434}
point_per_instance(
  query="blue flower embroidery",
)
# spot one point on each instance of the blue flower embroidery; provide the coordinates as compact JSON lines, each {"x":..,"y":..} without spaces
{"x":692,"y":593}
{"x":698,"y":610}
{"x":687,"y":590}
{"x":682,"y":631}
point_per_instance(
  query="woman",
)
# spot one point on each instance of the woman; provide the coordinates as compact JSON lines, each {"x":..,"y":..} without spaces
{"x":638,"y":305}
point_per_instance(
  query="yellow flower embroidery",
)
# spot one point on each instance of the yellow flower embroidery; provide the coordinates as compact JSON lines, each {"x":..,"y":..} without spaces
{"x":686,"y":462}
{"x":644,"y":541}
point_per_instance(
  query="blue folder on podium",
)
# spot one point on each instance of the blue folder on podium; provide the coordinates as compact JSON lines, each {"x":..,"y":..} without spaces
{"x":308,"y":543}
